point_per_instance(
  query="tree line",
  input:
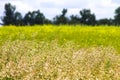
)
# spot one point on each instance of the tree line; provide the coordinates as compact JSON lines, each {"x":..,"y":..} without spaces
{"x":85,"y":17}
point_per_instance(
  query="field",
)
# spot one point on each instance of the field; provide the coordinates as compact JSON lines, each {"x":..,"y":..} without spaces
{"x":60,"y":53}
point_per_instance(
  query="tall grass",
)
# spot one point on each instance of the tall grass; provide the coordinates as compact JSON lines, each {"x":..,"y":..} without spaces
{"x":59,"y":53}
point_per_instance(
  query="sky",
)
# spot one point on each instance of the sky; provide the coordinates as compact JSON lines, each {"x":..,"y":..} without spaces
{"x":51,"y":8}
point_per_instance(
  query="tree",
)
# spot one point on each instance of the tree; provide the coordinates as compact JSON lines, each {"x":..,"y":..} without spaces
{"x":11,"y":17}
{"x":64,"y":12}
{"x":117,"y":16}
{"x":74,"y":19}
{"x":47,"y":21}
{"x":35,"y":17}
{"x":105,"y":21}
{"x":61,"y":19}
{"x":39,"y":17}
{"x":28,"y":19}
{"x":9,"y":14}
{"x":18,"y":19}
{"x":87,"y":17}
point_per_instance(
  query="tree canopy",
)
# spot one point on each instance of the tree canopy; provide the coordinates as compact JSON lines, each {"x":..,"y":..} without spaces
{"x":61,"y":19}
{"x":85,"y":17}
{"x":9,"y":14}
{"x":117,"y":16}
{"x":35,"y":17}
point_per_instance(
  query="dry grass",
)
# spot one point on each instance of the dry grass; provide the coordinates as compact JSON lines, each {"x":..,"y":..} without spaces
{"x":33,"y":60}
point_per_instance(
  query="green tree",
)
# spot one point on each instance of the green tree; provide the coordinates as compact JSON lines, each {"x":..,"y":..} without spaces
{"x":28,"y":19}
{"x":105,"y":21}
{"x":74,"y":19}
{"x":9,"y":14}
{"x":18,"y":19}
{"x":117,"y":16}
{"x":11,"y":17}
{"x":47,"y":21}
{"x":61,"y":19}
{"x":35,"y":17}
{"x":87,"y":17}
{"x":39,"y":17}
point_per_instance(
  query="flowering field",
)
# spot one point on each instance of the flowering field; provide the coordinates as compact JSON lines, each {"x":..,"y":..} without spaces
{"x":60,"y":53}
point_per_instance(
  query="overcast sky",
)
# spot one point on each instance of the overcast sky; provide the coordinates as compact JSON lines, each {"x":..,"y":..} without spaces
{"x":50,"y":8}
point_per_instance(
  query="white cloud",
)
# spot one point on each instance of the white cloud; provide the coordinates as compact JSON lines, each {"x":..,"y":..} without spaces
{"x":103,"y":8}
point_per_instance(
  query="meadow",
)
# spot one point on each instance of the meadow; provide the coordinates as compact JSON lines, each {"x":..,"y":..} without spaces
{"x":63,"y":52}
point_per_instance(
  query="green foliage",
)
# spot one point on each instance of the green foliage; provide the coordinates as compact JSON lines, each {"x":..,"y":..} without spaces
{"x":6,"y":78}
{"x":11,"y":17}
{"x":35,"y":17}
{"x":117,"y":16}
{"x":9,"y":14}
{"x":74,"y":19}
{"x":87,"y":17}
{"x":105,"y":21}
{"x":18,"y":19}
{"x":61,"y":19}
